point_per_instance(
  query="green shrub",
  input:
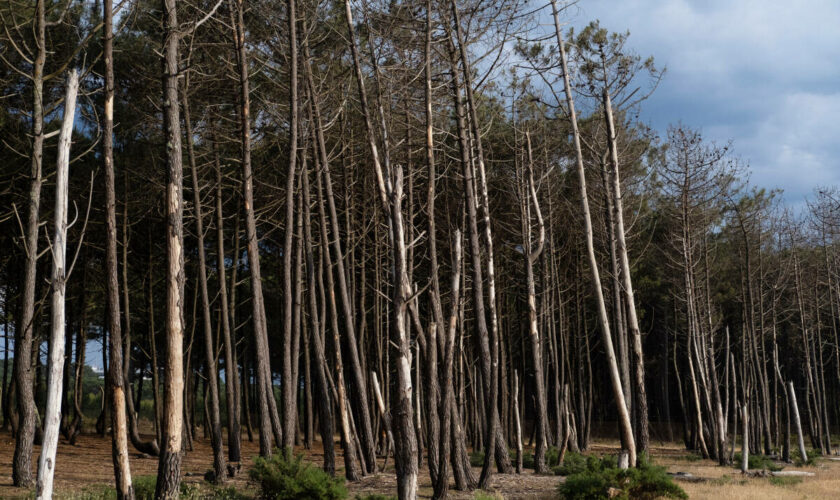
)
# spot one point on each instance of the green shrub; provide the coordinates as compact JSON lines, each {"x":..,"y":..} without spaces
{"x":284,"y":478}
{"x":757,"y":462}
{"x":602,"y":479}
{"x":144,"y":487}
{"x":797,"y":458}
{"x":552,"y":456}
{"x":573,"y":463}
{"x":785,"y":481}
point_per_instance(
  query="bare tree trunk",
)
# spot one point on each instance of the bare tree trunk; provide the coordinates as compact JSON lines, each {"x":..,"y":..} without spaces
{"x":745,"y":448}
{"x":358,"y":378}
{"x":232,"y":393}
{"x":627,"y":285}
{"x":52,"y":414}
{"x":289,"y":386}
{"x":627,"y":440}
{"x":169,"y":463}
{"x":529,"y":195}
{"x":214,"y":424}
{"x":517,"y":424}
{"x":22,"y":460}
{"x":797,"y":422}
{"x":264,"y":391}
{"x":390,"y":184}
{"x":350,"y":465}
{"x":497,"y":442}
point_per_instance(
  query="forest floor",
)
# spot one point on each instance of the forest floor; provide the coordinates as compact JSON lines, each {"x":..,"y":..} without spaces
{"x":83,"y":470}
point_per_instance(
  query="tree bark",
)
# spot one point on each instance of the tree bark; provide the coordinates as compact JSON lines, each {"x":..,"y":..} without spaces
{"x":169,"y":462}
{"x":627,"y":440}
{"x":264,"y":390}
{"x":22,"y":459}
{"x":52,"y":413}
{"x":215,"y":424}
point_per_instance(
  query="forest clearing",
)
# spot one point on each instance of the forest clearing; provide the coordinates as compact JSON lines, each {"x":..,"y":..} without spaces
{"x":377,"y":249}
{"x":87,"y":472}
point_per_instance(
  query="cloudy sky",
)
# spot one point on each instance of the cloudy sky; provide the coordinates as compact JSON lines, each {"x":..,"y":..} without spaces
{"x":764,"y":73}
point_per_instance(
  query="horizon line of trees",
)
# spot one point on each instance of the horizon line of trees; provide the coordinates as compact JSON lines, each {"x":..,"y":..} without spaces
{"x":425,"y":226}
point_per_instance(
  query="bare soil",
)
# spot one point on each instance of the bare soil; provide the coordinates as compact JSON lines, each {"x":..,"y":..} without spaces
{"x":88,"y":464}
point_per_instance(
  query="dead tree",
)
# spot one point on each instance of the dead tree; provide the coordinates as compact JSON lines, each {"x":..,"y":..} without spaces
{"x":52,"y":413}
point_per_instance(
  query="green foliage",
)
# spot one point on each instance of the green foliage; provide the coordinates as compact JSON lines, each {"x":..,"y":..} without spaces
{"x":375,"y":496}
{"x":288,"y":478}
{"x":144,"y":487}
{"x":573,"y":463}
{"x":476,"y":458}
{"x":797,"y":458}
{"x":785,"y":481}
{"x":603,"y":479}
{"x":757,"y":462}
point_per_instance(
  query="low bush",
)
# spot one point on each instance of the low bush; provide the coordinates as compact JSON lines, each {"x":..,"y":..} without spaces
{"x":288,"y":478}
{"x":573,"y":463}
{"x":602,"y":479}
{"x":796,"y":457}
{"x":757,"y":462}
{"x":785,"y":481}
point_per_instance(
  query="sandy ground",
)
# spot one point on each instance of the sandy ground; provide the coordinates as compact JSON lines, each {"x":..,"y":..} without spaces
{"x":88,"y":464}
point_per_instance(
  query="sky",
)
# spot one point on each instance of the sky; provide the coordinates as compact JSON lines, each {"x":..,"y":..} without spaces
{"x":762,"y":73}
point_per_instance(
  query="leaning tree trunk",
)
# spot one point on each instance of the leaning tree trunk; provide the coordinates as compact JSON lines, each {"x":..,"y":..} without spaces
{"x":169,"y":462}
{"x":797,"y":422}
{"x":529,"y":195}
{"x":627,"y":285}
{"x":52,"y":414}
{"x":231,"y":367}
{"x":215,"y":424}
{"x":390,"y":188}
{"x":358,"y":378}
{"x":627,"y":440}
{"x":263,"y":370}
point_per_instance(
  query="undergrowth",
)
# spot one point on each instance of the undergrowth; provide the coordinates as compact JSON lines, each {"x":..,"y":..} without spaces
{"x":602,"y":479}
{"x":283,"y":477}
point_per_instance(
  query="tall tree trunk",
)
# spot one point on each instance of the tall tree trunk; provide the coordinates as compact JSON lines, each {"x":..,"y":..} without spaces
{"x":264,"y":390}
{"x":390,"y":187}
{"x":350,"y":465}
{"x":22,"y":459}
{"x":529,"y":195}
{"x":169,"y":462}
{"x":215,"y":424}
{"x":627,"y":440}
{"x":289,"y":386}
{"x":357,"y":378}
{"x":232,"y":393}
{"x":146,"y":447}
{"x":627,"y":285}
{"x":119,"y":437}
{"x":52,"y":413}
{"x":496,"y":441}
